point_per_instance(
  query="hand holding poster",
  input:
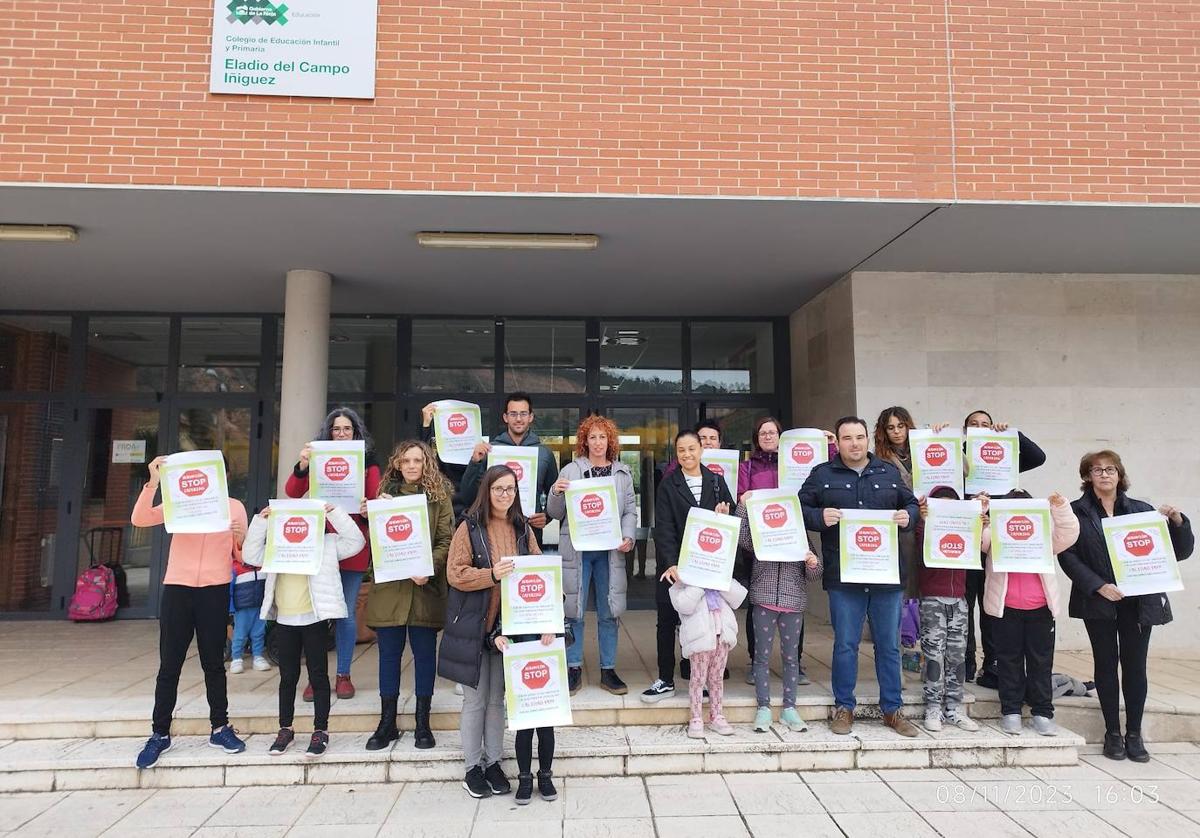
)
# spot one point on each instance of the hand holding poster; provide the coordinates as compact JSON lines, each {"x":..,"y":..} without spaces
{"x":295,"y":537}
{"x":195,"y":492}
{"x":400,"y":537}
{"x":936,"y":460}
{"x":869,"y":547}
{"x":776,"y":526}
{"x":535,"y":685}
{"x":1142,"y":556}
{"x":523,"y":460}
{"x":993,"y":461}
{"x":457,"y":429}
{"x":708,"y":549}
{"x":953,"y":531}
{"x":592,"y":515}
{"x":337,"y":473}
{"x":531,"y":597}
{"x":1021,"y":536}
{"x":723,"y":462}
{"x":800,"y":451}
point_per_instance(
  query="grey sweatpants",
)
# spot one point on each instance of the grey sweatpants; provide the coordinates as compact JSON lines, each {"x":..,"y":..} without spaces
{"x":788,"y":625}
{"x":481,"y":724}
{"x":944,"y":644}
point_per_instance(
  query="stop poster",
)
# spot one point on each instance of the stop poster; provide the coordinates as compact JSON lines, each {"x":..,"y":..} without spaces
{"x":195,"y":492}
{"x":1021,"y":536}
{"x":708,"y":549}
{"x":869,"y":547}
{"x":936,"y":460}
{"x":401,"y":538}
{"x":953,"y":531}
{"x":337,"y":473}
{"x":800,"y":451}
{"x":523,"y":460}
{"x":723,"y":462}
{"x":776,"y":525}
{"x":295,"y":537}
{"x":593,"y":519}
{"x":993,"y":461}
{"x":1142,"y":556}
{"x":535,"y":685}
{"x":457,"y":429}
{"x":531,"y":597}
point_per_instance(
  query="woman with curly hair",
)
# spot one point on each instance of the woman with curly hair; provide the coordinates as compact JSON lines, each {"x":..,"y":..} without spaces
{"x":597,"y":454}
{"x":411,"y":609}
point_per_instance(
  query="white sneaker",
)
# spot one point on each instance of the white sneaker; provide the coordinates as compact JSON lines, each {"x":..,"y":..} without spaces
{"x":1011,"y":723}
{"x":261,"y":664}
{"x":458,"y":689}
{"x":1044,"y":726}
{"x":933,"y":719}
{"x":236,"y":666}
{"x":961,"y":721}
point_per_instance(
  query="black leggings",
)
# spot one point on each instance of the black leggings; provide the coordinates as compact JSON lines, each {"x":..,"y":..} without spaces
{"x":1126,"y":642}
{"x":312,"y":639}
{"x":524,"y":746}
{"x":184,"y":613}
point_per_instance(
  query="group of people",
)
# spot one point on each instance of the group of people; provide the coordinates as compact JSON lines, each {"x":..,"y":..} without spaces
{"x":476,"y":521}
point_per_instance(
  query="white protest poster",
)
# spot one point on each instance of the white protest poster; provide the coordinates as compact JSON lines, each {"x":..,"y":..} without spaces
{"x":401,"y":545}
{"x":523,"y":460}
{"x":294,"y":48}
{"x":800,"y":451}
{"x":195,"y":492}
{"x":723,"y":462}
{"x":337,"y":473}
{"x":953,"y":531}
{"x":1021,"y":536}
{"x":993,"y":461}
{"x":776,"y":525}
{"x":592,"y":515}
{"x":295,"y":537}
{"x":936,"y":460}
{"x":457,"y":429}
{"x":535,"y":685}
{"x":1142,"y":556}
{"x":531,"y":597}
{"x":870,"y":553}
{"x":708,"y":549}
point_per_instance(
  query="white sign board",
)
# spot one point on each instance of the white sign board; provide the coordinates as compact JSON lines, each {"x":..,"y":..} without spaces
{"x":129,"y":451}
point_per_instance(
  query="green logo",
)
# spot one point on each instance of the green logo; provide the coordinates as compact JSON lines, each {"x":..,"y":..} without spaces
{"x":257,"y":11}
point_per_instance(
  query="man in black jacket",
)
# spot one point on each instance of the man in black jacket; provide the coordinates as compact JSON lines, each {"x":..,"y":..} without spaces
{"x":857,"y":479}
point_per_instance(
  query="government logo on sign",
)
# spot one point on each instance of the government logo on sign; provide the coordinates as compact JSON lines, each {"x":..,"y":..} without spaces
{"x":516,"y":469}
{"x":935,"y":455}
{"x":531,"y":588}
{"x":774,"y":516}
{"x":952,"y":545}
{"x":1019,"y":528}
{"x":257,"y":11}
{"x":991,"y":453}
{"x":399,"y":527}
{"x":802,"y":453}
{"x":1139,"y":543}
{"x":868,"y":539}
{"x":457,"y":424}
{"x":337,"y":469}
{"x":710,"y":539}
{"x":591,"y":505}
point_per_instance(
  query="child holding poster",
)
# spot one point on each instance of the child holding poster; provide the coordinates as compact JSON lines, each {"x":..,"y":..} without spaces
{"x":300,"y":604}
{"x":1025,"y":606}
{"x":707,"y":631}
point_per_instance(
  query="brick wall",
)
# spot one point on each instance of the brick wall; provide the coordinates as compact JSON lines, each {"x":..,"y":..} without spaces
{"x":1067,"y":99}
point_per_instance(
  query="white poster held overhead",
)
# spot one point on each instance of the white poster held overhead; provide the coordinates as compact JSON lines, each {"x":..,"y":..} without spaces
{"x":295,"y":537}
{"x":993,"y":461}
{"x":800,"y":451}
{"x":337,"y":473}
{"x":936,"y":460}
{"x":195,"y":492}
{"x":457,"y":429}
{"x":400,"y":537}
{"x":523,"y":460}
{"x":723,"y":462}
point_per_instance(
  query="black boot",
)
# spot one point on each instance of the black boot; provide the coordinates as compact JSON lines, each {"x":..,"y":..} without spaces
{"x":1114,"y":747}
{"x":386,"y":733}
{"x":524,"y":789}
{"x":423,"y":736}
{"x":1134,"y":749}
{"x":546,"y":785}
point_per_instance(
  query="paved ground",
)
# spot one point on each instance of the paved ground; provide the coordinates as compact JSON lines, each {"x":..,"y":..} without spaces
{"x":1098,"y":798}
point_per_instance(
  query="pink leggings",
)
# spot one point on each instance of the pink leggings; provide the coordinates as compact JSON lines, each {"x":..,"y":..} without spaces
{"x":708,"y":670}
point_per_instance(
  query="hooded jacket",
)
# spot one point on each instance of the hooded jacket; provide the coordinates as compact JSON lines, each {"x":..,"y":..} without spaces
{"x":1064,"y":530}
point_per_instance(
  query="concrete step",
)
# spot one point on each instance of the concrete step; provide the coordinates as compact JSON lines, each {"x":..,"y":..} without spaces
{"x":107,"y":763}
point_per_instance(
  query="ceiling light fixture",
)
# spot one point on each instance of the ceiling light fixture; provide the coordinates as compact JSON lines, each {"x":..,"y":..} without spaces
{"x":510,"y":241}
{"x":38,"y":233}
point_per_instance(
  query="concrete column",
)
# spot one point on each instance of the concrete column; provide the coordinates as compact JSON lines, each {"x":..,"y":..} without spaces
{"x":305,"y":364}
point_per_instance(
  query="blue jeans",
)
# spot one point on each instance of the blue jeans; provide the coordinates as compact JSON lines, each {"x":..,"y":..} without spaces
{"x":848,"y":608}
{"x":594,"y":569}
{"x":248,"y":625}
{"x":345,"y":630}
{"x":391,"y":650}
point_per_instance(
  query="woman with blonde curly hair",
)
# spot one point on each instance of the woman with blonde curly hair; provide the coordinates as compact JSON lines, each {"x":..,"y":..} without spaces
{"x":411,"y":609}
{"x":597,"y":454}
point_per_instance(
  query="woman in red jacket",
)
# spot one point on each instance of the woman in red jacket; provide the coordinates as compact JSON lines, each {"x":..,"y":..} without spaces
{"x":342,"y":425}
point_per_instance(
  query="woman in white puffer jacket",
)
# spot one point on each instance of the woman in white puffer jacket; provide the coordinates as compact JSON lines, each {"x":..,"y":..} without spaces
{"x":300,"y":605}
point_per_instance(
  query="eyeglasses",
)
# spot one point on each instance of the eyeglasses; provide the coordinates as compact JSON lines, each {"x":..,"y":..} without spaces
{"x":504,"y":490}
{"x":768,"y":433}
{"x":1104,"y":471}
{"x":524,"y":414}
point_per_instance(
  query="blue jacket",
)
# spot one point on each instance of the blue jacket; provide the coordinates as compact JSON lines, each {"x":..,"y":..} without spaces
{"x":836,"y":485}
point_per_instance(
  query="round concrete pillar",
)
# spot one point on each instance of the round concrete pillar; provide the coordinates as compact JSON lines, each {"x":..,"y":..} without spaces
{"x":305,"y":365}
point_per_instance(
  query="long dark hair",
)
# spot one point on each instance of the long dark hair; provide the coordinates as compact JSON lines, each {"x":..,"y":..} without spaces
{"x":884,"y":449}
{"x":481,"y":509}
{"x":356,"y":422}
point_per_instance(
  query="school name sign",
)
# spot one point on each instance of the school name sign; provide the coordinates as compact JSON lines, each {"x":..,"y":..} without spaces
{"x":320,"y":48}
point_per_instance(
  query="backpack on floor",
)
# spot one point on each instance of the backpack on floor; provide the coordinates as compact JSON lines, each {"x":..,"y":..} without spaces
{"x":95,"y":596}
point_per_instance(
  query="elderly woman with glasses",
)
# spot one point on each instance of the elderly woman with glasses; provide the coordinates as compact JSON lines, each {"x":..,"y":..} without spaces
{"x":1117,"y":625}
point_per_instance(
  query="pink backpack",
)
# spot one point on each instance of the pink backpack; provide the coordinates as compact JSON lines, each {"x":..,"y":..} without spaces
{"x":95,"y":596}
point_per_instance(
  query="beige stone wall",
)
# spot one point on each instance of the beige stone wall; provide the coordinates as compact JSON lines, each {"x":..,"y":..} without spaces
{"x":823,"y":360}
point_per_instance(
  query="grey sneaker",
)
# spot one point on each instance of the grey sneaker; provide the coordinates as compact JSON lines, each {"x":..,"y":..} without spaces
{"x":933,"y":719}
{"x":1044,"y":726}
{"x":1011,"y":723}
{"x":961,"y":721}
{"x":749,"y":678}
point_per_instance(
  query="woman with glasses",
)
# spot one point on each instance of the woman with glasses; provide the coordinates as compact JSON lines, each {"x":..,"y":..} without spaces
{"x":1118,"y":626}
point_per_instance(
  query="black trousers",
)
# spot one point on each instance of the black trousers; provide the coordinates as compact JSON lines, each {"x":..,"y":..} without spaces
{"x":668,"y":620}
{"x":975,"y":581}
{"x":185,"y":613}
{"x":311,"y":640}
{"x":1025,"y":660}
{"x":524,"y":749}
{"x":1121,"y":641}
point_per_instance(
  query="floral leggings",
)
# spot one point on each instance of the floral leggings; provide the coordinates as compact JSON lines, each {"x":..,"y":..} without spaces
{"x":708,"y":671}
